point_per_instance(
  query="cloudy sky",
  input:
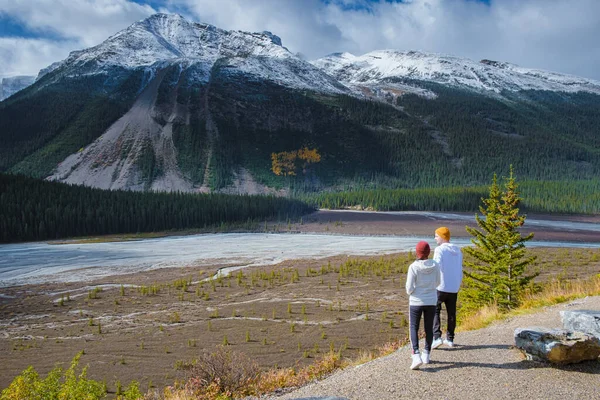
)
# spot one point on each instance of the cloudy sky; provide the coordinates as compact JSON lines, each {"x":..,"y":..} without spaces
{"x":555,"y":35}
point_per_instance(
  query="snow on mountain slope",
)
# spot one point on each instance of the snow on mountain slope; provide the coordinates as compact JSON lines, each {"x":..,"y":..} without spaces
{"x":382,"y":66}
{"x":11,"y":85}
{"x":163,"y":39}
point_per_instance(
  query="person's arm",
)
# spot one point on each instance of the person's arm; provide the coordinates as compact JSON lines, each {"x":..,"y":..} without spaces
{"x":461,"y":269}
{"x":437,"y":257}
{"x":438,"y":276}
{"x":410,"y":280}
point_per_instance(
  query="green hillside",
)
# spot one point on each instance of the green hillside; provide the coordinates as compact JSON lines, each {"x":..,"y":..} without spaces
{"x":57,"y":116}
{"x":459,"y":138}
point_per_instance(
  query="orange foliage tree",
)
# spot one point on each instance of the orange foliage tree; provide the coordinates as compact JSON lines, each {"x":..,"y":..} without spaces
{"x":286,"y":162}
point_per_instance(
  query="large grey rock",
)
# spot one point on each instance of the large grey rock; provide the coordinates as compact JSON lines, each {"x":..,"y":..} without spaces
{"x":587,"y":321}
{"x":557,"y":346}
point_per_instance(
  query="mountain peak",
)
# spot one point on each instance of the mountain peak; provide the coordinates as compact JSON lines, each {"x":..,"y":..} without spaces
{"x":164,"y":16}
{"x":385,"y":66}
{"x":163,"y":38}
{"x":274,"y":38}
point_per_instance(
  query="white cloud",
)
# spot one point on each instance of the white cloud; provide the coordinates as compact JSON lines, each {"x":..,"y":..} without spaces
{"x":27,"y":56}
{"x":72,"y":25}
{"x":557,"y":35}
{"x":88,"y":21}
{"x":299,"y":23}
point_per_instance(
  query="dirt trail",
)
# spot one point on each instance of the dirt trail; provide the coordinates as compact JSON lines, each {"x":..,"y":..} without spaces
{"x":483,"y":365}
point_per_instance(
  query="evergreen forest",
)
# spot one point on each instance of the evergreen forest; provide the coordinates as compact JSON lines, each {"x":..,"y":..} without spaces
{"x":32,"y":209}
{"x":564,"y":197}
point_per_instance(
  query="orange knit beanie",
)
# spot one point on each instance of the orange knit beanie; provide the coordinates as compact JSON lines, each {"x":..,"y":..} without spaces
{"x":443,"y":232}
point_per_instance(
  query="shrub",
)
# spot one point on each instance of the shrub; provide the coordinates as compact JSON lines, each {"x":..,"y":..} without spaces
{"x":29,"y":385}
{"x":132,"y":392}
{"x":228,"y":371}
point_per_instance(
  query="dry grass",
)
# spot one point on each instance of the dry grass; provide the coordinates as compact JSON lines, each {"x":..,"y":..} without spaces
{"x":481,"y":318}
{"x":198,"y":387}
{"x":558,"y":291}
{"x":365,"y":356}
{"x":289,"y":377}
{"x":553,"y":292}
{"x":272,"y":379}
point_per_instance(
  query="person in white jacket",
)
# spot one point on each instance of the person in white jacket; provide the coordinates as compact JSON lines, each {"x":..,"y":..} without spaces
{"x":450,"y":258}
{"x":422,"y":278}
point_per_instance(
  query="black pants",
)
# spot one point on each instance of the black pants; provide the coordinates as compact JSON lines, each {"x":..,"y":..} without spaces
{"x":449,"y":299}
{"x":428,"y":313}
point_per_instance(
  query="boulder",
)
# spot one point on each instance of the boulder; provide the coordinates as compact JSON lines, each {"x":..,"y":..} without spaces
{"x":587,"y":321}
{"x":557,"y":346}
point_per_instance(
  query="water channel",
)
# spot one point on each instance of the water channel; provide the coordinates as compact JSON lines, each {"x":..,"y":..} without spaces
{"x":40,"y":262}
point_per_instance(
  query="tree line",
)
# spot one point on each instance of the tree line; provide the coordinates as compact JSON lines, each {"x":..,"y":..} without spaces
{"x":571,"y":197}
{"x":32,"y":209}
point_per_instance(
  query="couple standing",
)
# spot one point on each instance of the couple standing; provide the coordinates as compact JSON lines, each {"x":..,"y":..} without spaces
{"x":431,"y":283}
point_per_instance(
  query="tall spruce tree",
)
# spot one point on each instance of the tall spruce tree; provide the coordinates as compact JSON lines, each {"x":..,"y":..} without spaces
{"x":497,"y":274}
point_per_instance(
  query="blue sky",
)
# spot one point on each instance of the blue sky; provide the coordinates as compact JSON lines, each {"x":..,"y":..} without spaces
{"x":555,"y":35}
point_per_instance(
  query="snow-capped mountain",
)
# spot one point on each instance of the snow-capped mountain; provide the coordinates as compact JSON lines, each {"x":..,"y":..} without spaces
{"x":168,"y":104}
{"x":174,"y":55}
{"x":167,"y":39}
{"x":389,"y":66}
{"x":11,"y":85}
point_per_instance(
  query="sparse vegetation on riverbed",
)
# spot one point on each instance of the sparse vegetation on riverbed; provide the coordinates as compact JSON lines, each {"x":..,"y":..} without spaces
{"x":153,"y":327}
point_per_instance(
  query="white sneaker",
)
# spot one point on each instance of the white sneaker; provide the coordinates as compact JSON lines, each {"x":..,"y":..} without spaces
{"x":416,"y":361}
{"x":436,"y":343}
{"x":448,"y":343}
{"x":425,"y":357}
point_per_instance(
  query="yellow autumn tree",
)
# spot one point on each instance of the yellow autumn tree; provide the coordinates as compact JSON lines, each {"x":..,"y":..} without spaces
{"x":309,"y":156}
{"x":286,"y":162}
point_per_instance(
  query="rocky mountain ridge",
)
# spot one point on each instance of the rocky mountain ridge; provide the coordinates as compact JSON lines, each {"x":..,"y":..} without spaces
{"x":167,"y":39}
{"x":168,"y":104}
{"x":392,"y":67}
{"x":164,"y":39}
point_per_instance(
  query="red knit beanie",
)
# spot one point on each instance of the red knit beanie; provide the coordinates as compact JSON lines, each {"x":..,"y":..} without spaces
{"x":423,"y":250}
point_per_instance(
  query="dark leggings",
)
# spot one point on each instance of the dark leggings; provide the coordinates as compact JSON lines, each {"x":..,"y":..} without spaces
{"x":449,"y":299}
{"x":428,"y":313}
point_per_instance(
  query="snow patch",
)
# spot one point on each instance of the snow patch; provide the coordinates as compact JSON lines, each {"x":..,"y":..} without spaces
{"x":384,"y":66}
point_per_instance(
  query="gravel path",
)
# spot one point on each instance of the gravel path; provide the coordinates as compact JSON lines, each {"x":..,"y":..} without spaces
{"x":482,"y":365}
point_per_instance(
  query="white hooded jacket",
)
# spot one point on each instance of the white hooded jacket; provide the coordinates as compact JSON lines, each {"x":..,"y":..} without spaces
{"x":450,"y":258}
{"x":421,"y":280}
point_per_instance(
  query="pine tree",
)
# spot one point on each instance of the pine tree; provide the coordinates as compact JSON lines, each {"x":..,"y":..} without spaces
{"x":498,"y":273}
